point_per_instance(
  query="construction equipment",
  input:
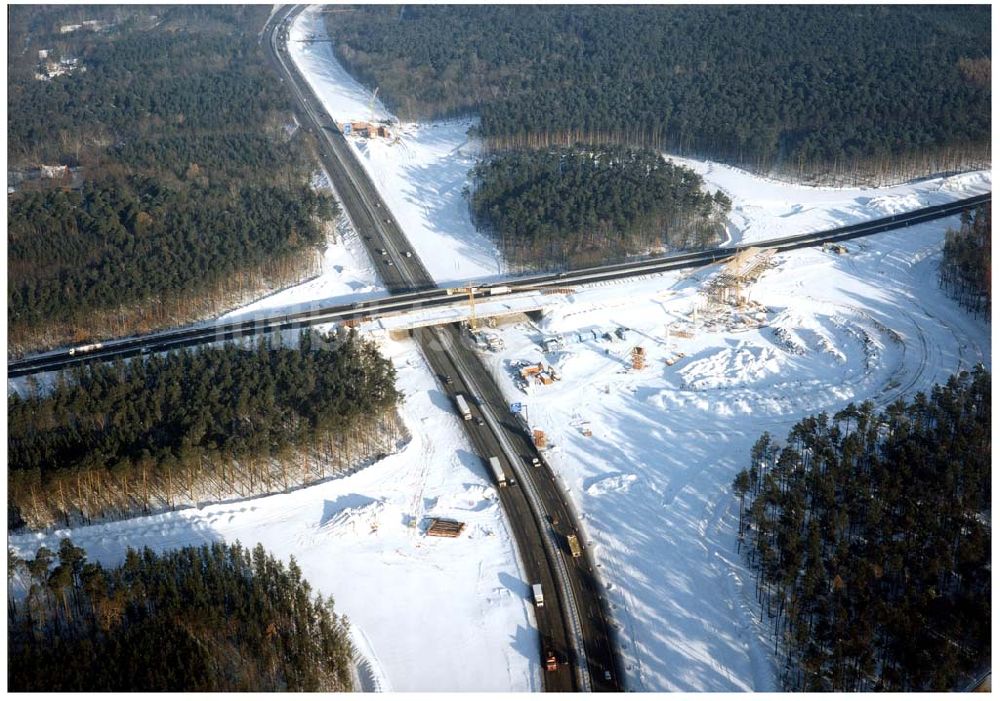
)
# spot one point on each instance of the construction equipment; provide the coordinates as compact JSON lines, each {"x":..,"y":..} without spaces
{"x":470,"y":290}
{"x":371,"y":104}
{"x":638,"y":358}
{"x":539,"y":438}
{"x":445,"y":528}
{"x":673,"y":359}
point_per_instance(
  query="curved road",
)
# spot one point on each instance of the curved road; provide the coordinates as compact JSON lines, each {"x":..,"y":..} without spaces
{"x":574,"y":621}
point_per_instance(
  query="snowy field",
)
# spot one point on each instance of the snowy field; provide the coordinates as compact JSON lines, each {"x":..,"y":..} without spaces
{"x":421,"y":172}
{"x":653,"y":479}
{"x":418,"y":604}
{"x":767,"y":209}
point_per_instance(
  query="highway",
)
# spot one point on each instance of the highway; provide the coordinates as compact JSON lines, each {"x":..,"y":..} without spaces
{"x":574,"y":645}
{"x":534,"y":557}
{"x":428,"y":296}
{"x":364,"y":206}
{"x":574,"y":622}
{"x":556,"y":520}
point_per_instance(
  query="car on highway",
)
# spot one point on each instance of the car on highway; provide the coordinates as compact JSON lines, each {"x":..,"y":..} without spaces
{"x":447,"y":379}
{"x":383,"y":251}
{"x":389,"y":263}
{"x":479,"y":421}
{"x":408,"y":254}
{"x":607,"y":676}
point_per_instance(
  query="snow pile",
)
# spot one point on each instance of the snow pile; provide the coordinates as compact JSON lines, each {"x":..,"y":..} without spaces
{"x":741,"y":365}
{"x":789,"y":340}
{"x":887,"y":205}
{"x":474,"y":497}
{"x":361,"y":518}
{"x":614,"y":483}
{"x":966,"y":183}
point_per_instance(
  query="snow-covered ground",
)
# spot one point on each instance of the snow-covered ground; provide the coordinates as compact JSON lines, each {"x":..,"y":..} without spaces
{"x":421,"y":171}
{"x":767,"y":209}
{"x":427,"y":614}
{"x":653,"y":480}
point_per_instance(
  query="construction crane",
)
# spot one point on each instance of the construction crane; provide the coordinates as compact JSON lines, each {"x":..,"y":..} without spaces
{"x":371,"y":104}
{"x":471,"y":291}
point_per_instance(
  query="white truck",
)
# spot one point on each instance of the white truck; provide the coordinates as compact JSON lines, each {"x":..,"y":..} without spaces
{"x":498,"y":471}
{"x":463,"y":407}
{"x":536,"y":589}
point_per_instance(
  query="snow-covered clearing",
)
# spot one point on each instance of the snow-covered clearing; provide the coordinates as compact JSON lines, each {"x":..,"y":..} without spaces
{"x":427,"y":614}
{"x":767,"y":209}
{"x":653,"y":479}
{"x":420,"y":172}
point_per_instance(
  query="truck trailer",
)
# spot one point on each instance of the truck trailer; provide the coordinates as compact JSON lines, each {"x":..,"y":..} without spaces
{"x":537,"y":591}
{"x":498,"y":472}
{"x":574,"y":545}
{"x":463,"y":407}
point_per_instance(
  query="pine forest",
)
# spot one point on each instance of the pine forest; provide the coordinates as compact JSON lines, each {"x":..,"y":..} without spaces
{"x":965,"y":270}
{"x":177,"y":186}
{"x":112,"y":440}
{"x":869,"y":532}
{"x":803,"y":91}
{"x":212,"y":618}
{"x":574,"y":207}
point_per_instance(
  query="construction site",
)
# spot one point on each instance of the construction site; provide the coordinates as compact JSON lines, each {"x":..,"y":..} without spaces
{"x":444,"y":527}
{"x":728,"y":304}
{"x":365,"y":129}
{"x":368,"y":129}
